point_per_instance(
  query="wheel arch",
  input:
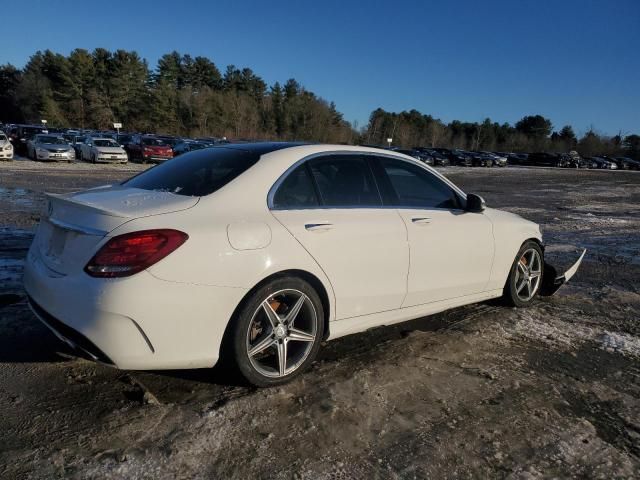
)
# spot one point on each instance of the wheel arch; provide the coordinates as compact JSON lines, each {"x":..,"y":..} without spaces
{"x":310,"y":278}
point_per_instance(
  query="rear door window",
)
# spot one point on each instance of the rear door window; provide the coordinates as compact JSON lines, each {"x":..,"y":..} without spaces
{"x":345,"y":181}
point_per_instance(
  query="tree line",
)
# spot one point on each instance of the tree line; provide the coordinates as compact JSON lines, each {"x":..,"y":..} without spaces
{"x":182,"y":95}
{"x":190,"y":96}
{"x":530,"y":134}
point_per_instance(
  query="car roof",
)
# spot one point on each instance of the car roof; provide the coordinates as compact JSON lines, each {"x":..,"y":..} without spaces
{"x":261,"y":148}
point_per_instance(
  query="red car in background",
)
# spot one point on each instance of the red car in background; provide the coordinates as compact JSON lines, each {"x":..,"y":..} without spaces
{"x":146,"y":148}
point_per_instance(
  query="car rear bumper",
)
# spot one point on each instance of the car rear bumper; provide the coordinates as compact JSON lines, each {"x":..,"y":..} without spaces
{"x":138,"y":322}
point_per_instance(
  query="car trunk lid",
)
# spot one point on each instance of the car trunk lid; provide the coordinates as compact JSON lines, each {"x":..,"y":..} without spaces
{"x":74,"y":224}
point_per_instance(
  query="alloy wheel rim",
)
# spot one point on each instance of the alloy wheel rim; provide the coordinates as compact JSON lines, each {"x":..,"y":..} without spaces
{"x":528,"y":274}
{"x":281,"y":333}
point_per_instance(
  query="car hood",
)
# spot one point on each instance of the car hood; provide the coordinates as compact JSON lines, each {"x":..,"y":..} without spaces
{"x":57,"y":148}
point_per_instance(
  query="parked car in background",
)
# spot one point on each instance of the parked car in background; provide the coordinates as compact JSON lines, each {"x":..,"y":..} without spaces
{"x":102,"y":150}
{"x":75,"y":141}
{"x":410,"y":152}
{"x":189,"y":146}
{"x":123,"y":138}
{"x":6,"y":148}
{"x":460,"y":158}
{"x":50,"y":148}
{"x":543,"y":159}
{"x":147,"y":148}
{"x":498,"y":160}
{"x":23,"y":134}
{"x":605,"y":164}
{"x":480,"y":159}
{"x":517,"y":158}
{"x":439,"y":160}
{"x":624,"y":163}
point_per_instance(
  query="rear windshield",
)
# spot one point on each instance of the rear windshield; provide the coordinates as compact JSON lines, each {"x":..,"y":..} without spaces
{"x":196,"y":173}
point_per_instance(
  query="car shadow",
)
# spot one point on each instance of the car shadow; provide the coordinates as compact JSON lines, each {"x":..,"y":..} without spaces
{"x":23,"y":339}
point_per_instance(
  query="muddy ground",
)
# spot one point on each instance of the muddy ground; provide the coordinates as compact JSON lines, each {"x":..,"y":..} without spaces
{"x":482,"y":391}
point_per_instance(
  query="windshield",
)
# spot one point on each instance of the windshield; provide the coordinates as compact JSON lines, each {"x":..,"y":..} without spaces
{"x":51,"y":140}
{"x":32,"y":130}
{"x":156,"y":142}
{"x":102,"y":142}
{"x":170,"y":141}
{"x":196,"y":173}
{"x":3,"y":138}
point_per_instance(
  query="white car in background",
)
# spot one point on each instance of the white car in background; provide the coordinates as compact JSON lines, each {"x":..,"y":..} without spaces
{"x":257,"y":253}
{"x":102,"y":150}
{"x":6,"y":148}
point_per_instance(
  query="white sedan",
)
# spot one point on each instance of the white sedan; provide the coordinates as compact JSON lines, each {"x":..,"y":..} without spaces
{"x":102,"y":150}
{"x":256,"y":253}
{"x":6,"y":148}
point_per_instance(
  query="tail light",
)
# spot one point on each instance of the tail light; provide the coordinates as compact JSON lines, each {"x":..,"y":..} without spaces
{"x":131,"y":253}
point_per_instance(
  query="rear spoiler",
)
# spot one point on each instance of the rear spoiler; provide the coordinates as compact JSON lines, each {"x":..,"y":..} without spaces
{"x":551,"y":281}
{"x":66,"y":198}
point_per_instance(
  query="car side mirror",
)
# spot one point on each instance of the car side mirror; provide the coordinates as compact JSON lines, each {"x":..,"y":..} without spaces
{"x":475,"y":203}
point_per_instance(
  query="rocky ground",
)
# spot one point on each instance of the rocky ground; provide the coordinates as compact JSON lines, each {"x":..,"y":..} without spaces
{"x":480,"y":391}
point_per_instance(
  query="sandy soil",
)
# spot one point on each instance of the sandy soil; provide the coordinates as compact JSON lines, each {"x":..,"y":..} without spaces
{"x":482,"y":391}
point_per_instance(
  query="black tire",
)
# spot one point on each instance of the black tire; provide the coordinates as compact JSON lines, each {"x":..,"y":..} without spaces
{"x":93,"y":159}
{"x":243,"y":325}
{"x":510,"y":295}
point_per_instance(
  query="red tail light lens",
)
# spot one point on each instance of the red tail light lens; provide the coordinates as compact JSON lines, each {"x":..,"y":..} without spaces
{"x":131,"y":253}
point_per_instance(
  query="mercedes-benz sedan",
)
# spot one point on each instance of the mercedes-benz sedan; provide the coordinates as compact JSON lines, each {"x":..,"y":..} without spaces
{"x":256,"y":253}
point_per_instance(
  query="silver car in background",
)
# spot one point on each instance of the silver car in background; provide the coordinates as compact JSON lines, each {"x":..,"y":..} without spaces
{"x":51,"y":148}
{"x":103,"y":150}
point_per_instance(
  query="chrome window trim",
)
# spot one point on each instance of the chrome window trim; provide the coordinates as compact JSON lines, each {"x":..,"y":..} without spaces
{"x":280,"y":180}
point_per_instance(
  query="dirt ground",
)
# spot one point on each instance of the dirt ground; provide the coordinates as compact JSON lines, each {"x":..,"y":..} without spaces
{"x":482,"y":391}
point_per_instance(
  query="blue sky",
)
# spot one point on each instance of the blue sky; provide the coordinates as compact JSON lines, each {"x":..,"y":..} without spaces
{"x":576,"y":62}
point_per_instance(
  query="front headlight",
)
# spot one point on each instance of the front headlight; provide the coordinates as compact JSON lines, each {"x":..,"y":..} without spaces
{"x":8,"y":148}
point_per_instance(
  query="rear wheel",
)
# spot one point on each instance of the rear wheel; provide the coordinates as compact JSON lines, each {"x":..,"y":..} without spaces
{"x":278,"y":331}
{"x":525,"y":276}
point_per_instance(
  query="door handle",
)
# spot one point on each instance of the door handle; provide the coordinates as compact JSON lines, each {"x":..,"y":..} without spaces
{"x":318,"y":227}
{"x":421,"y":220}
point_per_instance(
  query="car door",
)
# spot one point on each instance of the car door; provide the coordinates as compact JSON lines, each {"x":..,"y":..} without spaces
{"x":332,"y":206}
{"x":451,"y":250}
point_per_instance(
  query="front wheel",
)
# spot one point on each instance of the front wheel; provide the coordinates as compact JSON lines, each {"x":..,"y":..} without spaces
{"x":278,"y":331}
{"x":525,"y":276}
